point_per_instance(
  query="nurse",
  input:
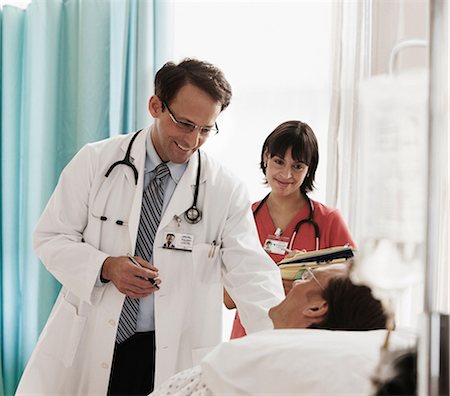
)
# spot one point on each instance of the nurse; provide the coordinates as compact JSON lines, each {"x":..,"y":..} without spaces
{"x":131,"y":311}
{"x":286,"y":217}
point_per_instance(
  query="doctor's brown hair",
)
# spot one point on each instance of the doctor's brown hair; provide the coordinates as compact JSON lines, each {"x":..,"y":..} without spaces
{"x":301,"y":138}
{"x":351,"y":307}
{"x":172,"y":77}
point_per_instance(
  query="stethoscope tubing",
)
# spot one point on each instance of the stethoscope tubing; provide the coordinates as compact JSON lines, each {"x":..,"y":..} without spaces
{"x":192,"y":215}
{"x":126,"y":160}
{"x":308,"y":220}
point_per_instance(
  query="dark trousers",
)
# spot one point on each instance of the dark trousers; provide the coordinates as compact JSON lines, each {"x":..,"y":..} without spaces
{"x":133,"y":366}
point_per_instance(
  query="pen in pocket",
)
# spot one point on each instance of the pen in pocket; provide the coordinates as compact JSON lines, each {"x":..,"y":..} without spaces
{"x":151,"y":280}
{"x":212,"y":249}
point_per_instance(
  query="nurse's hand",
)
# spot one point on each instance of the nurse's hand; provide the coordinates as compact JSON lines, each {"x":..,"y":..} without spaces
{"x":127,"y":277}
{"x":287,"y":284}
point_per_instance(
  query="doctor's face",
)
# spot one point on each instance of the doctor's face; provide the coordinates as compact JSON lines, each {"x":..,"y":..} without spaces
{"x":304,"y":304}
{"x":191,"y":105}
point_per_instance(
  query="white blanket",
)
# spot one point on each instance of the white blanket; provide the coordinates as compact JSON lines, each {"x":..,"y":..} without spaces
{"x":289,"y":362}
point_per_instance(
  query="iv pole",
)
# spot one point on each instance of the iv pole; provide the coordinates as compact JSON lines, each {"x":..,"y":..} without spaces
{"x":433,"y":357}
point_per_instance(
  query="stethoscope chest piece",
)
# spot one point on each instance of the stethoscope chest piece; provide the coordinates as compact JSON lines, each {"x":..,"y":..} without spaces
{"x":193,"y":215}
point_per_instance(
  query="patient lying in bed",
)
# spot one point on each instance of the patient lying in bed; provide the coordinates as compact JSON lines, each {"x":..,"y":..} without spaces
{"x":293,"y":359}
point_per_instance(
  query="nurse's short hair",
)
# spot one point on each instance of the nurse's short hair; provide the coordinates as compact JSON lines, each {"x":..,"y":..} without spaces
{"x":351,"y":307}
{"x":301,"y":138}
{"x":204,"y":75}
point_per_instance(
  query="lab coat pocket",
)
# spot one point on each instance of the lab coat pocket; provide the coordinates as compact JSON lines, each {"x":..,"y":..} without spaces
{"x":206,"y":261}
{"x":63,"y":333}
{"x":113,"y":232}
{"x":199,"y":353}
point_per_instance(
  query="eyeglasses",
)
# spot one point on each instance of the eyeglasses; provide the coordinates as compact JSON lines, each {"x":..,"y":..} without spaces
{"x":307,"y":275}
{"x":187,"y":126}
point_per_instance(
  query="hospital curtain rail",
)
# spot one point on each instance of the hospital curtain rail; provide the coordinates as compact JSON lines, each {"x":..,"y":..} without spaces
{"x":72,"y":72}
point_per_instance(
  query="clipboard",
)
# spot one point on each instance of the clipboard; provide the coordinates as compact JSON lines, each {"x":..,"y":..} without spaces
{"x":291,"y":266}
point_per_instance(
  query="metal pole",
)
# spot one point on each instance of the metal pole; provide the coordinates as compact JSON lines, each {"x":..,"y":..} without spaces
{"x":429,"y":368}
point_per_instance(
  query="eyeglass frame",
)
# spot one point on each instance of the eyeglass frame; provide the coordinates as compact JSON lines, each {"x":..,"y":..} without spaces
{"x":309,"y":271}
{"x":190,"y":126}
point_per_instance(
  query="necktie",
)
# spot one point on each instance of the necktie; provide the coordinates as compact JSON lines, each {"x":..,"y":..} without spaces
{"x":152,"y":202}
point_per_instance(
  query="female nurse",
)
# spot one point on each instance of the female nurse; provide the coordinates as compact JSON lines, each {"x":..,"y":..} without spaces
{"x":286,"y":218}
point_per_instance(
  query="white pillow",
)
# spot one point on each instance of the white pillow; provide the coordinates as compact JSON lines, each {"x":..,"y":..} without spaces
{"x":298,"y":362}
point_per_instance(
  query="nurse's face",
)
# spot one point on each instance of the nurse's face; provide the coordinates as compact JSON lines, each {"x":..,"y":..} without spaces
{"x":284,"y":174}
{"x":304,"y":304}
{"x":190,"y":104}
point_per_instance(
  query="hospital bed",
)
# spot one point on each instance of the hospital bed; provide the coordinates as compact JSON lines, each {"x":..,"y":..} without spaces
{"x":291,"y":362}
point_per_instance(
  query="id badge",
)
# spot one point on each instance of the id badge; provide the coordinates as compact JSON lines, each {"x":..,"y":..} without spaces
{"x":276,"y":245}
{"x":178,"y":241}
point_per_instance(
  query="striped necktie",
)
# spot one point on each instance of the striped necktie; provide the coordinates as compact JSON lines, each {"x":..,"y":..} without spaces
{"x":152,"y":202}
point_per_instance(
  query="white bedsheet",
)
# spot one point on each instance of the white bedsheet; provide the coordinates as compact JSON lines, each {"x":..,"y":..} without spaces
{"x":289,"y":362}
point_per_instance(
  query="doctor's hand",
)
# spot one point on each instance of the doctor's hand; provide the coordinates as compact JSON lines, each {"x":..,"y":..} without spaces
{"x":127,"y":277}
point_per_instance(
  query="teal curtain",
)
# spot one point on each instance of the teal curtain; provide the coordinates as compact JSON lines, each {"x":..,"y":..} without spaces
{"x":71,"y":72}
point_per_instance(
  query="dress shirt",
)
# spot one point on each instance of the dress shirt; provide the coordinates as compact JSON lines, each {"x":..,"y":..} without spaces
{"x":146,"y":316}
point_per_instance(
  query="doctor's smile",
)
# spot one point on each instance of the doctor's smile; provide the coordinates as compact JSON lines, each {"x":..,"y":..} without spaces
{"x":183,"y":125}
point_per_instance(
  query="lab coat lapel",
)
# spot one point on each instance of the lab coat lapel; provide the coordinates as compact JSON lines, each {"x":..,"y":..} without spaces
{"x":138,"y":154}
{"x":183,"y":195}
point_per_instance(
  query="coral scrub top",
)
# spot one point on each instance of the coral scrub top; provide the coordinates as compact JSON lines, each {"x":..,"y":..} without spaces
{"x":332,"y":232}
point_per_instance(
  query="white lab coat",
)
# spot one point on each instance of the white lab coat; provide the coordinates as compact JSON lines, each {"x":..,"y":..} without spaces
{"x":74,"y":352}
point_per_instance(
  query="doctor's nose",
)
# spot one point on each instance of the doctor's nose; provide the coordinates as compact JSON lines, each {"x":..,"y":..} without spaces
{"x":193,"y":138}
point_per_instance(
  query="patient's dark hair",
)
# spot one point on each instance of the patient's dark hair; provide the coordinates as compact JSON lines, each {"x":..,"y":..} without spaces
{"x":351,"y":307}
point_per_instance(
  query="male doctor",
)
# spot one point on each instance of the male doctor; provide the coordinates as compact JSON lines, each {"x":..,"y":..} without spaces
{"x":131,"y":313}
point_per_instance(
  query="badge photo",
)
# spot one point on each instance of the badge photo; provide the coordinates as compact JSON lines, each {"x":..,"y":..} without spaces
{"x":178,"y":241}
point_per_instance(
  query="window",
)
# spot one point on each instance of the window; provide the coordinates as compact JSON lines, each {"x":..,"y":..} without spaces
{"x":277,"y":57}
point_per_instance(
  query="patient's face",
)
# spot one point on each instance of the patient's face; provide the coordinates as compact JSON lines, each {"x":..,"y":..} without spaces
{"x":304,"y":304}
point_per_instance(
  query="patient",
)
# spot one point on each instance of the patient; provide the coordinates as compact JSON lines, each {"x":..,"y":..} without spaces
{"x":325,"y":298}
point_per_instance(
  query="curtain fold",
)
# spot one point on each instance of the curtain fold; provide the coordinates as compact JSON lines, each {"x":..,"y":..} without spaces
{"x":350,"y":65}
{"x":377,"y":151}
{"x":72,"y":72}
{"x":1,"y":220}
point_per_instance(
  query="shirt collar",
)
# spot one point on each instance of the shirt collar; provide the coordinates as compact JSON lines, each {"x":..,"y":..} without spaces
{"x":152,"y":160}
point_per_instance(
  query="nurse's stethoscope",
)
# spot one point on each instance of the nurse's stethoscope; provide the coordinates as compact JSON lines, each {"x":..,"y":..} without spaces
{"x":308,"y":220}
{"x":192,"y":215}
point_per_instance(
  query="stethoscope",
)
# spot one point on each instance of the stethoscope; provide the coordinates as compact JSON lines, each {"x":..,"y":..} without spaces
{"x":309,"y":219}
{"x":192,"y":215}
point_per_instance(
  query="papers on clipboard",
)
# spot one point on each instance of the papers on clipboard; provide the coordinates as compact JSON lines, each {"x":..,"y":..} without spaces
{"x":292,"y":267}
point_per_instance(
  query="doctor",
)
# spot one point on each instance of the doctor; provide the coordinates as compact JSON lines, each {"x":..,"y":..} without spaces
{"x":92,"y":233}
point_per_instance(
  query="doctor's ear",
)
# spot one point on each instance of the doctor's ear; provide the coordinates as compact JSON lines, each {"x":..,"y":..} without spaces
{"x":155,"y":106}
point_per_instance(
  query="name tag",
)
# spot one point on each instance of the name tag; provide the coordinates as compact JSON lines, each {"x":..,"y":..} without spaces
{"x":178,"y":241}
{"x":276,"y":245}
